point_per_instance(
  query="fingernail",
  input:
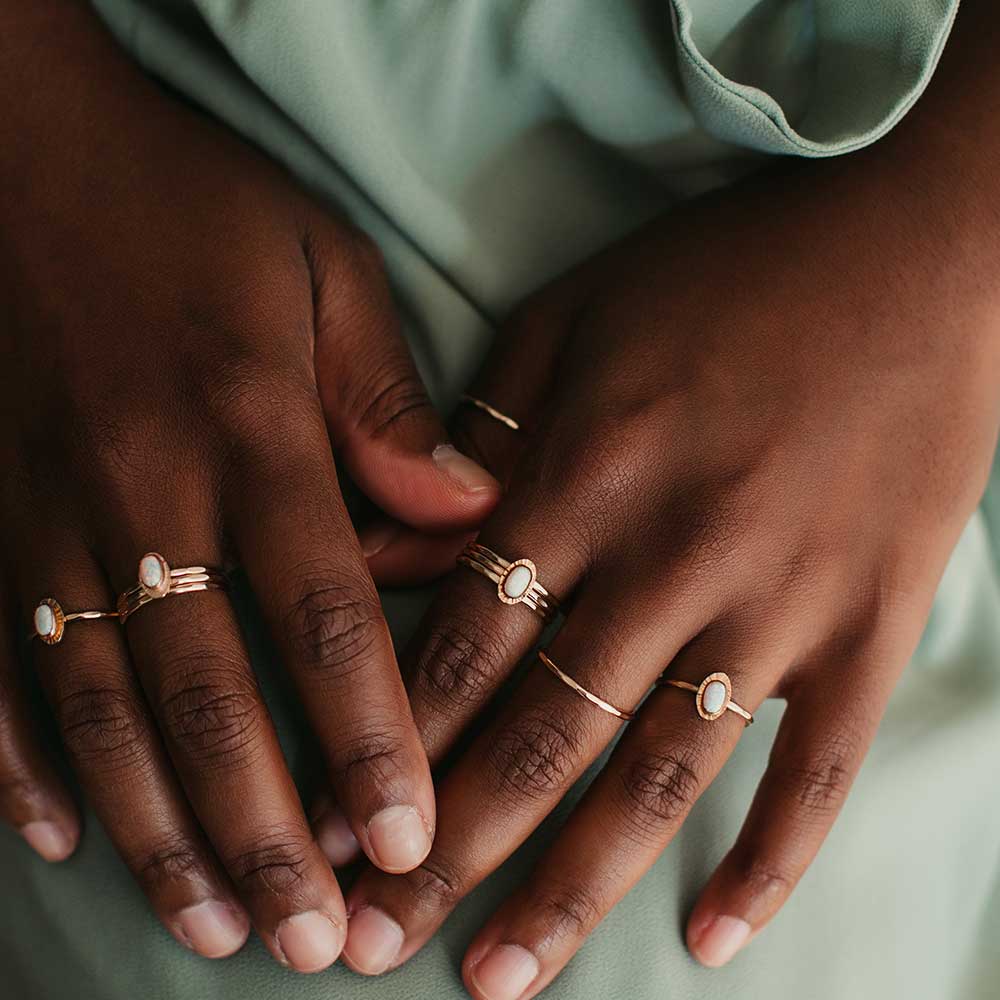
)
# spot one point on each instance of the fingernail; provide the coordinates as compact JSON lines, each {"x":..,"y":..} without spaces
{"x":505,"y":973}
{"x":399,"y":838}
{"x":723,"y":937}
{"x":335,"y":838}
{"x":373,"y":941}
{"x":470,"y":474}
{"x":309,"y":941}
{"x":213,"y":929}
{"x":49,"y":840}
{"x":376,"y":536}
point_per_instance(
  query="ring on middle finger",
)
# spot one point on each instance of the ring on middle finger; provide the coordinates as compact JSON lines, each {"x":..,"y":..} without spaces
{"x":158,"y":580}
{"x":517,"y":580}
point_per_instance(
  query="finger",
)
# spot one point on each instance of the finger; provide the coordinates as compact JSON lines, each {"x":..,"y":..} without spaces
{"x":381,"y":422}
{"x":400,"y":556}
{"x":333,"y":833}
{"x":304,"y":562}
{"x":817,"y":754}
{"x":116,"y":752}
{"x":469,"y":641}
{"x":190,"y":656}
{"x":664,"y":761}
{"x":514,"y":381}
{"x":518,"y":769}
{"x":33,"y":799}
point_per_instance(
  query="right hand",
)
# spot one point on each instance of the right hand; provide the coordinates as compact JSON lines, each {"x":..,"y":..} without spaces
{"x":187,"y":341}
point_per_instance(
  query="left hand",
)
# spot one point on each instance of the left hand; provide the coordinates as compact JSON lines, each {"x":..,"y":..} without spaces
{"x":752,"y":435}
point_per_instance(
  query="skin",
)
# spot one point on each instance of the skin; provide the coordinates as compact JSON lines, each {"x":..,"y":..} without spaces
{"x":753,"y":433}
{"x":726,"y":499}
{"x":189,"y":342}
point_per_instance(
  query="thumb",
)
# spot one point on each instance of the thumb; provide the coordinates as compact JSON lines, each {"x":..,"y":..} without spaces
{"x":382,"y":424}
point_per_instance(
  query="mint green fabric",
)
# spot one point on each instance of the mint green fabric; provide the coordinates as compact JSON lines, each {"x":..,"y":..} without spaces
{"x":487,"y":146}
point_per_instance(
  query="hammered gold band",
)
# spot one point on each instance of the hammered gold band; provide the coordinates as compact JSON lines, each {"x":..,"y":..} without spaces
{"x":50,"y":620}
{"x":604,"y":706}
{"x":157,"y":580}
{"x":481,"y":404}
{"x":713,"y":697}
{"x":517,"y":580}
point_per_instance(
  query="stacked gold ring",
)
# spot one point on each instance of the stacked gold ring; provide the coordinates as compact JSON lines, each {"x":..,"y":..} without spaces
{"x":517,"y":580}
{"x":157,"y":580}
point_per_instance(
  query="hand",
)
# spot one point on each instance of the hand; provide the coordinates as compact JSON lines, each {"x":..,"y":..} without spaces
{"x":186,"y":335}
{"x":752,"y":434}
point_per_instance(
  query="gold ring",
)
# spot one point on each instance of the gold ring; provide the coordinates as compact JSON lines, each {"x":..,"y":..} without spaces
{"x":491,"y":410}
{"x":158,"y":580}
{"x":605,"y":706}
{"x":50,"y":620}
{"x":712,"y":697}
{"x":517,"y":581}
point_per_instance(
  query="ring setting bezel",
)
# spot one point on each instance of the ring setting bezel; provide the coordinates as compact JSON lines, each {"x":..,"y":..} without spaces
{"x":533,"y":571}
{"x":58,"y":621}
{"x":722,"y":678}
{"x":162,"y":586}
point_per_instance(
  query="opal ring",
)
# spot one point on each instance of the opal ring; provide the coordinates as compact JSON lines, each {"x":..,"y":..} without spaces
{"x":517,"y":581}
{"x":604,"y":706}
{"x":713,"y":697}
{"x":481,"y":404}
{"x":50,"y":619}
{"x":157,"y":580}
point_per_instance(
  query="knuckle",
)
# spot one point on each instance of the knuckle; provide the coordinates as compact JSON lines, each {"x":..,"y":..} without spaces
{"x":566,"y":912}
{"x":101,"y":724}
{"x":333,"y":627}
{"x":457,"y":664}
{"x":766,"y":878}
{"x":433,"y":886}
{"x":18,"y":788}
{"x":820,"y":780}
{"x":659,"y":788}
{"x":276,"y":864}
{"x":378,"y":757}
{"x":213,"y":713}
{"x":535,"y":755}
{"x":174,"y":859}
{"x":391,"y":393}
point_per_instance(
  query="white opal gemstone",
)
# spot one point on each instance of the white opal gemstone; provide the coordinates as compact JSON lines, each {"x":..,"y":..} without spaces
{"x":45,"y":620}
{"x":714,"y":697}
{"x":516,"y":582}
{"x":150,"y":571}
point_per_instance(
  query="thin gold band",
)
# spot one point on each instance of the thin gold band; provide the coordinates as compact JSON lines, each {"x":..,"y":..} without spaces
{"x":517,"y":580}
{"x":605,"y":706}
{"x":162,"y":581}
{"x":491,"y":410}
{"x":701,"y":693}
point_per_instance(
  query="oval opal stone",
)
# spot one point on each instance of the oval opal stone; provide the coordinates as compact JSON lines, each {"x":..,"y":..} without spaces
{"x":713,"y":698}
{"x":150,"y":571}
{"x":517,"y":581}
{"x":45,"y":620}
